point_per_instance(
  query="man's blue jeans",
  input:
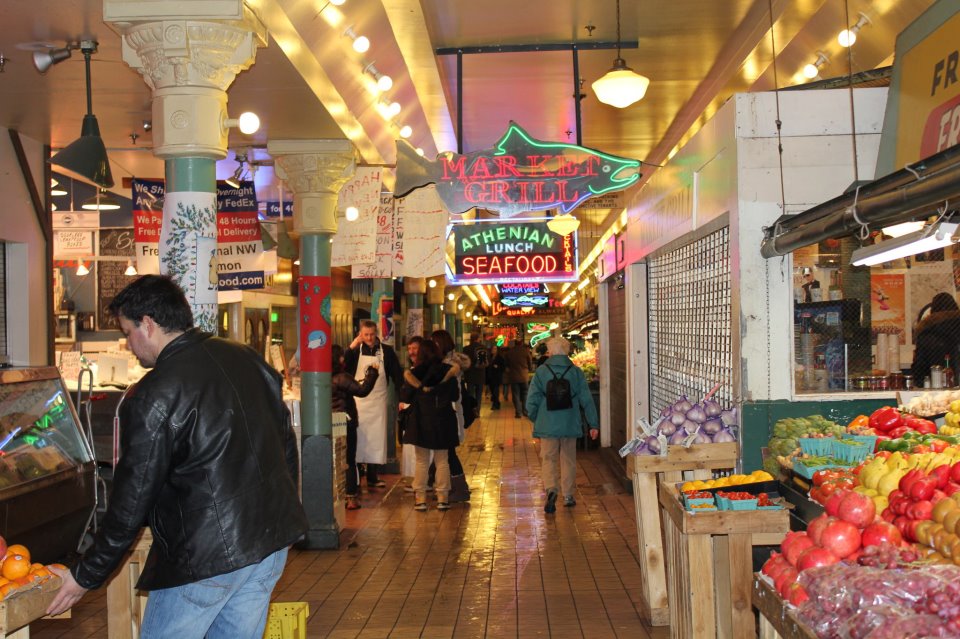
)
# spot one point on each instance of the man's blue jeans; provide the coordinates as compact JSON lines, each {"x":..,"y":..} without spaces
{"x":230,"y":606}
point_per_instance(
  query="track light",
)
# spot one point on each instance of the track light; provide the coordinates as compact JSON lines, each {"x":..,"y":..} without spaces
{"x":406,"y":131}
{"x":848,"y":36}
{"x":384,"y":82}
{"x":43,"y":60}
{"x":103,"y":200}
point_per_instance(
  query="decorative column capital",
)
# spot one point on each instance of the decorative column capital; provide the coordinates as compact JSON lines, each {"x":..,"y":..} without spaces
{"x":415,"y":285}
{"x":314,"y":170}
{"x":435,"y":296}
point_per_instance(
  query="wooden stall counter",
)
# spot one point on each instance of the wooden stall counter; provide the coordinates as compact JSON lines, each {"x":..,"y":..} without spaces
{"x":776,"y":620}
{"x":649,"y":472}
{"x":19,"y":610}
{"x":710,"y":559}
{"x":125,"y":604}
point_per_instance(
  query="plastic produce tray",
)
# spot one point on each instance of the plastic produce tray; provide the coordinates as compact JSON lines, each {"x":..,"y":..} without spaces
{"x":816,"y":446}
{"x":851,"y":452}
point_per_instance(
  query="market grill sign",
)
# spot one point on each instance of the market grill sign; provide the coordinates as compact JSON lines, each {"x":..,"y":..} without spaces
{"x":498,"y":252}
{"x":520,"y":173}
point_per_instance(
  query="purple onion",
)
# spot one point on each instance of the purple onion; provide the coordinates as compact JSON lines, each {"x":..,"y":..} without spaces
{"x":729,"y":417}
{"x":697,"y":414}
{"x":667,"y":428}
{"x":711,"y":408}
{"x":666,"y":411}
{"x":712,"y":426}
{"x":678,"y":437}
{"x":690,"y":427}
{"x":682,"y":405}
{"x":703,"y":438}
{"x":653,"y":444}
{"x":677,"y":419}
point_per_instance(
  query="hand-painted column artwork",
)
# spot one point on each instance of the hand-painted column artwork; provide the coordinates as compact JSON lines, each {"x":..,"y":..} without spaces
{"x":315,"y":323}
{"x":519,"y":174}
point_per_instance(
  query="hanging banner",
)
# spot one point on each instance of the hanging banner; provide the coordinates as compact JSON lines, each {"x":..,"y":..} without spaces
{"x":520,"y":173}
{"x":356,"y":241}
{"x":315,"y":333}
{"x":239,"y":246}
{"x":382,"y":265}
{"x":383,"y":316}
{"x":419,"y":235}
{"x":414,"y":323}
{"x":147,"y":204}
{"x":272,"y":208}
{"x":499,"y":252}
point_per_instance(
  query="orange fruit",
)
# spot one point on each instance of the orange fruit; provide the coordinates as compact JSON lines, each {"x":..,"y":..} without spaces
{"x":18,"y":549}
{"x":15,"y":566}
{"x":35,"y":567}
{"x":41,"y":573}
{"x":57,"y":566}
{"x":7,"y":589}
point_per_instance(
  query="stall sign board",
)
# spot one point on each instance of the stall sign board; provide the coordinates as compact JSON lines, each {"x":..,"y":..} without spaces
{"x":499,"y":252}
{"x":76,"y":219}
{"x":147,"y":199}
{"x":273,"y":208}
{"x":117,"y":242}
{"x":519,"y":174}
{"x":521,"y":288}
{"x":72,"y":243}
{"x":239,"y":245}
{"x":356,"y":241}
{"x":110,"y":281}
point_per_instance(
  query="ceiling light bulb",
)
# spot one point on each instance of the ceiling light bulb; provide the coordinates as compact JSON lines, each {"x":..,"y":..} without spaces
{"x":249,"y":123}
{"x":406,"y":131}
{"x":394,"y":109}
{"x":384,"y":83}
{"x":459,"y":307}
{"x":432,"y":283}
{"x":296,"y":262}
{"x":451,"y":296}
{"x":361,"y":44}
{"x":53,"y":207}
{"x":352,"y":213}
{"x":847,"y":37}
{"x":811,"y":71}
{"x":131,"y":269}
{"x":82,"y":269}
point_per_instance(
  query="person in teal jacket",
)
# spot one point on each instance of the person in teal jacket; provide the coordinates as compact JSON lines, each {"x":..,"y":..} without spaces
{"x":558,"y":430}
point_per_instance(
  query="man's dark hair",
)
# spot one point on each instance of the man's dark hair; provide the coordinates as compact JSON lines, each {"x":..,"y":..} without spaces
{"x":157,"y":297}
{"x":429,"y":353}
{"x":336,"y":355}
{"x":414,"y":339}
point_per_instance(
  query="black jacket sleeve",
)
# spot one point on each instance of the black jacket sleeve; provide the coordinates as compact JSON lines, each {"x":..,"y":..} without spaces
{"x":358,"y":389}
{"x":351,"y":357}
{"x":391,"y":362}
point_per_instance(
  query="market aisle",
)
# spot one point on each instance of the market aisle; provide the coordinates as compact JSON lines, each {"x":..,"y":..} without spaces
{"x":498,"y":567}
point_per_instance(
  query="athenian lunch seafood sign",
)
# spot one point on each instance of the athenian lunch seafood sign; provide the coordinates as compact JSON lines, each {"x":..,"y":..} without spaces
{"x":511,"y":251}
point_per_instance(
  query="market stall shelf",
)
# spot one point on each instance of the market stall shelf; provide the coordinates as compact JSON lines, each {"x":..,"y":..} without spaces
{"x":710,"y":555}
{"x":776,"y":621}
{"x":648,"y":471}
{"x":125,"y":604}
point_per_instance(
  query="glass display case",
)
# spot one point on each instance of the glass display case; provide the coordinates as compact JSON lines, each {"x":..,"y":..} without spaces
{"x":46,"y":464}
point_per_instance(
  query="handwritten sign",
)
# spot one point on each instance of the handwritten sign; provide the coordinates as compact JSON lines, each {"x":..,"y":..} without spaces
{"x":110,"y":281}
{"x":420,"y":230}
{"x":276,"y":358}
{"x":117,"y":242}
{"x":72,"y":244}
{"x":382,"y":266}
{"x":70,"y":365}
{"x":414,"y":322}
{"x":356,"y":241}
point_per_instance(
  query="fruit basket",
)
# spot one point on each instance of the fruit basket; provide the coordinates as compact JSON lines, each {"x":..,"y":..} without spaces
{"x":851,"y":451}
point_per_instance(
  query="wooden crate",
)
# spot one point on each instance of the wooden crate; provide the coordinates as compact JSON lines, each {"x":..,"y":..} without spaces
{"x":711,"y":566}
{"x":125,"y":604}
{"x":648,"y":472}
{"x":776,"y":621}
{"x":20,"y":609}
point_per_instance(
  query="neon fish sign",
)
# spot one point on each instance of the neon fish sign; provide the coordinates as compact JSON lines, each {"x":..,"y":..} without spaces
{"x":520,"y":173}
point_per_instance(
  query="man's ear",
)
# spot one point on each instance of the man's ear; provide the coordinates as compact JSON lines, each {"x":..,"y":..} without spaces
{"x":149,"y":325}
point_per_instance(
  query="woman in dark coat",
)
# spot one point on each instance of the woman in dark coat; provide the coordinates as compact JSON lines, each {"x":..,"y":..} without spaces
{"x":495,"y":376}
{"x":430,"y":390}
{"x":938,"y":337}
{"x":343,"y":389}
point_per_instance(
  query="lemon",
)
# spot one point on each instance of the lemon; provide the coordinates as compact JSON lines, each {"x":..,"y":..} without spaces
{"x":687,"y":487}
{"x":737,"y":479}
{"x":762,"y":475}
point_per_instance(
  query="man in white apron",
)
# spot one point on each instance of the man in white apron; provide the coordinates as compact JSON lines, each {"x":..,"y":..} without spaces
{"x":372,"y":410}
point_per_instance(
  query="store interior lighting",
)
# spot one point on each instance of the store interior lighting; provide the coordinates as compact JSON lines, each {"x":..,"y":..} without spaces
{"x":55,"y":189}
{"x":248,"y":123}
{"x":361,"y":44}
{"x":102,"y":200}
{"x":406,"y":131}
{"x":131,"y":270}
{"x":847,"y":37}
{"x":621,"y":86}
{"x":899,"y":230}
{"x":812,"y":70}
{"x":86,"y":157}
{"x":82,"y":269}
{"x":933,"y":237}
{"x":384,"y":81}
{"x":432,"y":283}
{"x":351,"y":213}
{"x":564,"y":224}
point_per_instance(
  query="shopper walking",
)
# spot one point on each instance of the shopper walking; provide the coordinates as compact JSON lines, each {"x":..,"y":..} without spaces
{"x":373,"y":411}
{"x":555,"y":408}
{"x":343,"y":389}
{"x":495,"y":376}
{"x":517,"y":375}
{"x":475,"y":376}
{"x":209,"y":459}
{"x":428,"y":395}
{"x":460,"y":490}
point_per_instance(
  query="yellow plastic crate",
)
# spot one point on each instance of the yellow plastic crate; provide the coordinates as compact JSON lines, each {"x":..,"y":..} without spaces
{"x":287,"y":621}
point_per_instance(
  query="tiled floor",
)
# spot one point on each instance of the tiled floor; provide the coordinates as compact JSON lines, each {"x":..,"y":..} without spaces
{"x":497,"y":567}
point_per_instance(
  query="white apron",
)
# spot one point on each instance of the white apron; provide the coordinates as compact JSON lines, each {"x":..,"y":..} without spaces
{"x":372,"y":414}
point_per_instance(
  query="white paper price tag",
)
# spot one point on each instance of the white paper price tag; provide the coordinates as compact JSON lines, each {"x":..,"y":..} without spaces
{"x":630,"y":446}
{"x":688,"y":440}
{"x":663,"y":444}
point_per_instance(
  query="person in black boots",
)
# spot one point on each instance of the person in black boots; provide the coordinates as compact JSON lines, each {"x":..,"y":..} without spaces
{"x":495,"y":376}
{"x":459,"y":490}
{"x":343,"y":389}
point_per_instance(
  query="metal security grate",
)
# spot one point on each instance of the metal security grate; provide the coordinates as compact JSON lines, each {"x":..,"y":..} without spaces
{"x":690,"y":347}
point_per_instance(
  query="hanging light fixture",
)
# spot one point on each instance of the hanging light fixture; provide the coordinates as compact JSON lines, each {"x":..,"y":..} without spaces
{"x":131,"y":269}
{"x":848,"y":36}
{"x":621,"y":86}
{"x":932,"y":237}
{"x":564,"y":224}
{"x":55,"y":189}
{"x":86,"y":157}
{"x":103,"y":200}
{"x":812,"y":70}
{"x":82,"y":269}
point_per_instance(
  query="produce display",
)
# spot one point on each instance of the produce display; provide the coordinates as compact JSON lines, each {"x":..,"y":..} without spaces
{"x":686,"y":423}
{"x":951,"y":424}
{"x":932,"y":403}
{"x":17,"y":573}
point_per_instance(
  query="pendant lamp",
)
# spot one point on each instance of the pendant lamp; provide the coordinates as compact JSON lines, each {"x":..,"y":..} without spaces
{"x":564,"y":224}
{"x":86,"y":157}
{"x":621,"y":86}
{"x":102,"y":200}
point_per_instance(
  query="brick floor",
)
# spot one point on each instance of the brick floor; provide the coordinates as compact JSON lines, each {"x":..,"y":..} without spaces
{"x":495,"y":568}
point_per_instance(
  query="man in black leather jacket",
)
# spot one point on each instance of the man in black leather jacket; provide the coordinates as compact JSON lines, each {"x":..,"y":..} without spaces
{"x":209,"y":459}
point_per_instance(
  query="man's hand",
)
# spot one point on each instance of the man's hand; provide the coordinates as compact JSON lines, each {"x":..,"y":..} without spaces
{"x":356,"y":342}
{"x":70,"y":592}
{"x":594,"y":433}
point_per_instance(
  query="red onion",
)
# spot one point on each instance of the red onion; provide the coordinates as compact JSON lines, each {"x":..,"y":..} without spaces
{"x":666,"y":411}
{"x":653,"y":444}
{"x":690,"y":427}
{"x":683,"y":405}
{"x":729,"y":417}
{"x":667,"y":428}
{"x":711,"y":408}
{"x":703,"y":438}
{"x":677,"y":419}
{"x":724,"y":436}
{"x":678,"y":437}
{"x":712,"y":426}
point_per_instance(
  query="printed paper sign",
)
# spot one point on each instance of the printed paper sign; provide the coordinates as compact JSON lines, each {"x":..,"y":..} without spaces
{"x":239,"y":246}
{"x":420,"y":232}
{"x":414,"y":322}
{"x":382,"y":266}
{"x":147,"y":199}
{"x":356,"y":241}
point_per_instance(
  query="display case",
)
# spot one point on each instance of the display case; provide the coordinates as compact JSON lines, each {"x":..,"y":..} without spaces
{"x":46,"y":465}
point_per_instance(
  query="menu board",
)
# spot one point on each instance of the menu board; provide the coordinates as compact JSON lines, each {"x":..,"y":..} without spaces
{"x":110,"y":281}
{"x":116,"y":242}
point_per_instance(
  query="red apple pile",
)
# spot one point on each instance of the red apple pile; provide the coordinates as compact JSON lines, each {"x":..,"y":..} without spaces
{"x":839,"y":534}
